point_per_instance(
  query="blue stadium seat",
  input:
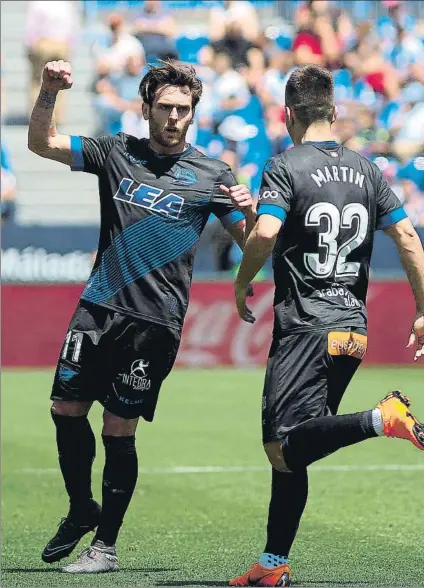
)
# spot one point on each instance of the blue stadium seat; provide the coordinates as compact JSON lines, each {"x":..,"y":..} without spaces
{"x":112,"y":5}
{"x":342,"y":77}
{"x":343,"y":85}
{"x":188,"y":4}
{"x":252,"y":113}
{"x":364,"y":93}
{"x":115,"y":4}
{"x":387,"y":114}
{"x":188,"y":47}
{"x":284,"y":42}
{"x":414,"y":171}
{"x":204,"y":137}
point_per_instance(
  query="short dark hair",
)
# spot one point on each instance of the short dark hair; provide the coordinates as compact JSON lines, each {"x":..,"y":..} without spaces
{"x":310,"y":92}
{"x":173,"y":74}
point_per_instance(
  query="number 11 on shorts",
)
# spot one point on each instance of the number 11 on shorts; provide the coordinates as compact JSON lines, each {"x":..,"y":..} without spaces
{"x":75,"y":338}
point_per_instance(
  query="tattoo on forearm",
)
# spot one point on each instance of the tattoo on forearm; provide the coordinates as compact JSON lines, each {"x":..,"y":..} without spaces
{"x":46,"y":100}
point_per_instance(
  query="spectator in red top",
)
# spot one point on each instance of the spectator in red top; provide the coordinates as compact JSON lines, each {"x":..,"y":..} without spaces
{"x":323,"y":32}
{"x":366,"y":61}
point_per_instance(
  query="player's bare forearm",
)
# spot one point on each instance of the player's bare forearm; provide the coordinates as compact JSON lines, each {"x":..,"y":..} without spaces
{"x":256,"y":251}
{"x":43,"y":138}
{"x":412,"y":257}
{"x":240,"y":231}
{"x":237,"y":232}
{"x":258,"y":248}
{"x":242,"y":200}
{"x":250,"y":223}
{"x":41,"y":124}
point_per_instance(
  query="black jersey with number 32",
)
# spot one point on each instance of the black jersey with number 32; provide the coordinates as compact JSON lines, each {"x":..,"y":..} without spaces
{"x":331,"y":200}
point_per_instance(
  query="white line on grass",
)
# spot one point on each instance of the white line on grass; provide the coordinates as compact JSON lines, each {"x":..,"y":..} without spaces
{"x":234,"y":469}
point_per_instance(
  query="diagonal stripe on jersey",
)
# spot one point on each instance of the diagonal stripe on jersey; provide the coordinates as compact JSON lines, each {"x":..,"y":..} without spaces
{"x":147,"y":245}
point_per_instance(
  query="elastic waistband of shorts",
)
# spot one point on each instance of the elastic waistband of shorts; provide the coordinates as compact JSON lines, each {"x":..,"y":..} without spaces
{"x":321,"y":329}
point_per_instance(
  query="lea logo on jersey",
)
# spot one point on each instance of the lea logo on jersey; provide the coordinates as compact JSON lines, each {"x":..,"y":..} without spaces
{"x":150,"y":198}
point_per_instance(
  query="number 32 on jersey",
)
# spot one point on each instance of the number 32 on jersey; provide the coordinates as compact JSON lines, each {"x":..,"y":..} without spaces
{"x":335,"y":255}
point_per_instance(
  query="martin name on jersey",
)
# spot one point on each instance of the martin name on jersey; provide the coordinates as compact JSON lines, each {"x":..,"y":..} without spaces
{"x":331,"y":200}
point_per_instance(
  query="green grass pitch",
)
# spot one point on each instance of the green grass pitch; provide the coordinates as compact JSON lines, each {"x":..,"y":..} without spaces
{"x":363,"y":524}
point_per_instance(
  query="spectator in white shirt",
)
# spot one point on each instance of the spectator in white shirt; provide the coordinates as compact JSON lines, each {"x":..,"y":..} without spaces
{"x":230,"y":90}
{"x":51,"y":32}
{"x":119,"y":46}
{"x":239,"y":11}
{"x":273,"y":84}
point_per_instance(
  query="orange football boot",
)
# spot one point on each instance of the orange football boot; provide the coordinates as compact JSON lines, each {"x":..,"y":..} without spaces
{"x":260,"y":576}
{"x":398,"y":421}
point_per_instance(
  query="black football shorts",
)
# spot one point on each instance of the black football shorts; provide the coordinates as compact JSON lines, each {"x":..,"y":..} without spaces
{"x":115,"y":359}
{"x":306,"y":377}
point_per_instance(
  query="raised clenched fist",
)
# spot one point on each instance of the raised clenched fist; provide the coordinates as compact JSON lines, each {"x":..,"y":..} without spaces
{"x":57,"y":75}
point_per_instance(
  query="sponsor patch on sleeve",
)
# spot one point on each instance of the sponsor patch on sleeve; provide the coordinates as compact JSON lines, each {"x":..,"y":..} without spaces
{"x":347,"y":343}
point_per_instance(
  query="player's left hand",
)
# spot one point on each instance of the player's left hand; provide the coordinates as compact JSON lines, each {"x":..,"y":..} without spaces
{"x":417,"y":336}
{"x":240,"y":196}
{"x":244,"y":312}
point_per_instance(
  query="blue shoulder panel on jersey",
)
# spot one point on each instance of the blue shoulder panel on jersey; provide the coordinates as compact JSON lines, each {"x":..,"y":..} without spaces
{"x":232,"y":217}
{"x":77,"y":156}
{"x":391,"y":218}
{"x":273,"y":210}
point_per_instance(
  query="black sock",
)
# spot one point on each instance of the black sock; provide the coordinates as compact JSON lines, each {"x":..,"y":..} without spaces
{"x":322,"y":436}
{"x":119,"y":480}
{"x":77,"y":448}
{"x":289,"y":492}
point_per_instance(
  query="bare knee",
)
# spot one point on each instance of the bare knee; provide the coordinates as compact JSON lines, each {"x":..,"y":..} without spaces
{"x":70,"y":408}
{"x":115,"y":426}
{"x":275,"y":456}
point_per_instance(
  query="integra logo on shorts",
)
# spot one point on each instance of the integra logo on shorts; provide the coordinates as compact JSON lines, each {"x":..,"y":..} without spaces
{"x":137,"y":377}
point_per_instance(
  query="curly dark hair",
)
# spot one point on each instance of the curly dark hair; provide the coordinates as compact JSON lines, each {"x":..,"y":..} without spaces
{"x":172,"y":74}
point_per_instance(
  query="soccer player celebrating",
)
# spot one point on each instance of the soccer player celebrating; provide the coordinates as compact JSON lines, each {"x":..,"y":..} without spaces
{"x":319,"y":206}
{"x":156,"y":195}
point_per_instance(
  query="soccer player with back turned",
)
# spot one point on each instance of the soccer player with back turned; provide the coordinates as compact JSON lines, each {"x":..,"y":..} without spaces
{"x":319,"y":206}
{"x":155,"y":195}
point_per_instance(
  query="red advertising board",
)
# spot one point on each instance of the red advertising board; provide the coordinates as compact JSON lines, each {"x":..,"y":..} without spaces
{"x":35,"y":319}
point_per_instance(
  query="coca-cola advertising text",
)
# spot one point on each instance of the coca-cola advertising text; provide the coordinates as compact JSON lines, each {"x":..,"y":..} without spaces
{"x":35,"y":319}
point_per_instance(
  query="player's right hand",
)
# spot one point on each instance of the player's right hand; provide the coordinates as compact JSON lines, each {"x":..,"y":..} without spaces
{"x":57,"y":75}
{"x":243,"y":310}
{"x":417,"y":336}
{"x":240,"y":196}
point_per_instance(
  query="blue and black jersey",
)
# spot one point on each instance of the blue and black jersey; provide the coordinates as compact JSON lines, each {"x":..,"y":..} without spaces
{"x":153,"y":210}
{"x":331,"y":200}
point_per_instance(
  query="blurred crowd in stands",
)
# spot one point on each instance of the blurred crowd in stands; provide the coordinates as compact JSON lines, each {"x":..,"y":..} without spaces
{"x":378,"y":71}
{"x":378,"y":68}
